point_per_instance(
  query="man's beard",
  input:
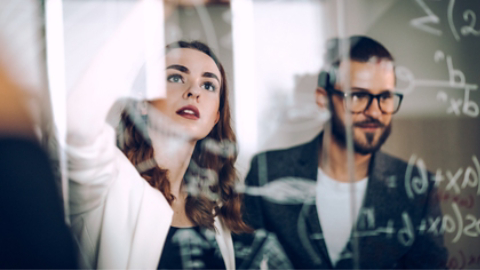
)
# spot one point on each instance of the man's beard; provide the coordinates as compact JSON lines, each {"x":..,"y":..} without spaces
{"x":339,"y":135}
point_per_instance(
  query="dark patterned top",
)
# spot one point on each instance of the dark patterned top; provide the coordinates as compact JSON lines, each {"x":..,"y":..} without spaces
{"x":191,"y":248}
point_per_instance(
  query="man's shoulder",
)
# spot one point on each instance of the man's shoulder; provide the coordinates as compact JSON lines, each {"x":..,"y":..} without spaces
{"x":287,"y":162}
{"x":388,"y":156}
{"x":409,"y":180}
{"x":389,"y":163}
{"x":282,"y":152}
{"x":384,"y":159}
{"x":289,"y":153}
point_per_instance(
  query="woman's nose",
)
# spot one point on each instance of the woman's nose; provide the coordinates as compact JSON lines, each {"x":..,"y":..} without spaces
{"x":192,"y":91}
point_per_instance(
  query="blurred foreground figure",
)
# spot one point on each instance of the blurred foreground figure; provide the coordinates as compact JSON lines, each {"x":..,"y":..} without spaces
{"x":319,"y":225}
{"x":33,"y":233}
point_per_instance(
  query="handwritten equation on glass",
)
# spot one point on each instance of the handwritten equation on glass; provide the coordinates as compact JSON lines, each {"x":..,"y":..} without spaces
{"x":456,"y":81}
{"x":469,"y":17}
{"x":456,"y":77}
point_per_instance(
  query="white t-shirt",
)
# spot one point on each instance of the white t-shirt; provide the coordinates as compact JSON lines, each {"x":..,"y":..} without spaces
{"x":334,"y":209}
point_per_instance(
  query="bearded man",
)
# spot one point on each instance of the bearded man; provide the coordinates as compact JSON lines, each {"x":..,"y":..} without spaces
{"x":362,"y":214}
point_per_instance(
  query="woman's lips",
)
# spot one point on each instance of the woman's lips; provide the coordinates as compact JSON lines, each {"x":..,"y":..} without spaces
{"x":189,"y":112}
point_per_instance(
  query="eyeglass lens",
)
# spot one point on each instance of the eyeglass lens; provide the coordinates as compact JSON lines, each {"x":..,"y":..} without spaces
{"x":388,"y":103}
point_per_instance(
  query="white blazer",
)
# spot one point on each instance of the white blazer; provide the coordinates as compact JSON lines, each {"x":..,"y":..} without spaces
{"x":119,"y":220}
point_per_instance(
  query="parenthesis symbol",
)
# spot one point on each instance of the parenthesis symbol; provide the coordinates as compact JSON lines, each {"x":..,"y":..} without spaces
{"x":459,"y":223}
{"x":302,"y":233}
{"x":442,"y":96}
{"x":450,"y":20}
{"x":439,"y":55}
{"x":408,"y":176}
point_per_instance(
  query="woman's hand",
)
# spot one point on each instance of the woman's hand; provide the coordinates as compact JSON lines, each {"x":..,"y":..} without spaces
{"x":114,"y":69}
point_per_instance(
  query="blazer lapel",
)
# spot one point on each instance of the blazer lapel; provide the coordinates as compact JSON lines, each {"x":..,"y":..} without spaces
{"x":225,"y":243}
{"x":135,"y":225}
{"x":316,"y":235}
{"x":306,"y":164}
{"x":376,"y":220}
{"x":307,"y":168}
{"x":153,"y":222}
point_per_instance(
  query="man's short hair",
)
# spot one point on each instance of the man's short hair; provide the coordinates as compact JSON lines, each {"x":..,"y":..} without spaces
{"x":360,"y":49}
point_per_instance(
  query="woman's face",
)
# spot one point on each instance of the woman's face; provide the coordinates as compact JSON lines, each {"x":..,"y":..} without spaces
{"x":193,"y":91}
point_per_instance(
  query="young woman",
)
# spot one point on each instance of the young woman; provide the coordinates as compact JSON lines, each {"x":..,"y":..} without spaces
{"x":126,"y":215}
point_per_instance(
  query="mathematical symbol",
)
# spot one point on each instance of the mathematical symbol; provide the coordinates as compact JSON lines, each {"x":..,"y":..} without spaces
{"x":455,"y":106}
{"x":450,"y":19}
{"x":433,"y":225}
{"x":439,"y":55}
{"x":421,"y":23}
{"x":442,"y":96}
{"x":389,"y":230}
{"x":456,"y":76}
{"x":422,"y":227}
{"x":392,"y":181}
{"x":453,"y":180}
{"x":438,"y":178}
{"x":470,"y":107}
{"x":468,"y":29}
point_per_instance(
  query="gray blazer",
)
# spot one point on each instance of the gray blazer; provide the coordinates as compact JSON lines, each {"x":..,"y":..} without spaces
{"x":393,"y":230}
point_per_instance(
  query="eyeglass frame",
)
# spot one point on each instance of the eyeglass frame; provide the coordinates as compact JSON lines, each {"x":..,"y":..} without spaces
{"x":371,"y":97}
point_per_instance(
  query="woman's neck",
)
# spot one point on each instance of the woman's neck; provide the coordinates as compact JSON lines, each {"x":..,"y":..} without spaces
{"x":173,"y":154}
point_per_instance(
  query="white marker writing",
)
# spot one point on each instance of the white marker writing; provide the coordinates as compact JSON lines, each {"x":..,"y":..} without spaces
{"x":406,"y":235}
{"x":418,"y":185}
{"x":469,"y":29}
{"x":470,"y":108}
{"x":420,"y":23}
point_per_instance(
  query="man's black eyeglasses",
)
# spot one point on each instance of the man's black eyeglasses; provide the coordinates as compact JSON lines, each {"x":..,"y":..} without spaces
{"x":388,"y":102}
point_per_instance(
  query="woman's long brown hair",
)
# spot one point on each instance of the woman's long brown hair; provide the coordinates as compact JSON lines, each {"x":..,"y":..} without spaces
{"x":200,"y":209}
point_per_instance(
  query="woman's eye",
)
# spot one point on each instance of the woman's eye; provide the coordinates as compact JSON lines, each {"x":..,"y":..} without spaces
{"x":175,"y":78}
{"x":209,"y":86}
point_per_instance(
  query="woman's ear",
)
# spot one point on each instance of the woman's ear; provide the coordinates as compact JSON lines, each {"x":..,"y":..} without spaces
{"x":321,"y":97}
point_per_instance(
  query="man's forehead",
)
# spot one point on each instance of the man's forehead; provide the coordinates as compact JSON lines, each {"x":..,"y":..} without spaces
{"x":375,"y":73}
{"x":373,"y":63}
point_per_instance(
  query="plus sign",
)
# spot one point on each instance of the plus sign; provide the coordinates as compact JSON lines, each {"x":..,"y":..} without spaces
{"x":392,"y":181}
{"x":438,"y":178}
